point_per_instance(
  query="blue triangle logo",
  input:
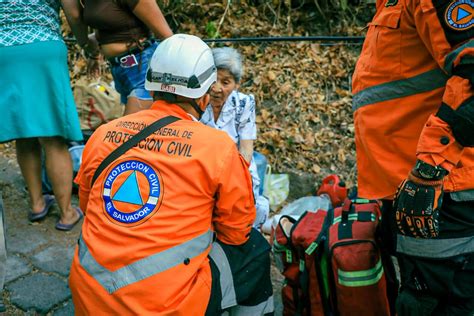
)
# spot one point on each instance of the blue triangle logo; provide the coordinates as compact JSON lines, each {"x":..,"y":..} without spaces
{"x":462,"y":14}
{"x":129,"y":192}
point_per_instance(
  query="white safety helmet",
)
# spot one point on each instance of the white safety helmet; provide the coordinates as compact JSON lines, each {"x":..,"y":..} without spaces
{"x":183,"y":65}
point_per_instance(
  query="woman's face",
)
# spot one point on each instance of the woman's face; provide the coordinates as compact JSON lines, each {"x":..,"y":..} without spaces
{"x":223,"y":87}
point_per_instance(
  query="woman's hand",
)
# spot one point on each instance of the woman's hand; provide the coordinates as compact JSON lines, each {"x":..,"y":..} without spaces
{"x":92,"y":53}
{"x":93,"y":67}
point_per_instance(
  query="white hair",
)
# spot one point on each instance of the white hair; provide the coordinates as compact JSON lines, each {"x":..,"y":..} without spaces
{"x":229,"y":59}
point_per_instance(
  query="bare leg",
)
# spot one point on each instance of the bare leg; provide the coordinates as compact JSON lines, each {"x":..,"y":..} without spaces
{"x":59,"y":170}
{"x":134,"y":105}
{"x":28,"y":154}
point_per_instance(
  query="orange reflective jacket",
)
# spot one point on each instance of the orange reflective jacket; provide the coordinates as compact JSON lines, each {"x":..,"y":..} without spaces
{"x":152,"y":213}
{"x":404,"y":73}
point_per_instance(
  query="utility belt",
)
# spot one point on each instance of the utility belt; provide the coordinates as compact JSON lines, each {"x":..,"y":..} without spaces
{"x":130,"y":58}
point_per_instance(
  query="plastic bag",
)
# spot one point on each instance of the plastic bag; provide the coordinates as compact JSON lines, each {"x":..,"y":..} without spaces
{"x":261,"y":162}
{"x":76,"y":156}
{"x":262,"y":207}
{"x":296,"y":208}
{"x":276,"y":187}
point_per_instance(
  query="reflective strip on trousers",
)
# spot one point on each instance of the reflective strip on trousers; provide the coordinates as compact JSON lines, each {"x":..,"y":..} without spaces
{"x":462,"y":196}
{"x":434,"y":248}
{"x":143,"y":268}
{"x":226,"y":279}
{"x":360,"y":278}
{"x":260,"y":309}
{"x":424,"y":82}
{"x":229,"y":298}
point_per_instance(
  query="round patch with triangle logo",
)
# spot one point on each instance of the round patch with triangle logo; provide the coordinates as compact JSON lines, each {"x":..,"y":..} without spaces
{"x":460,"y":15}
{"x":132,"y":192}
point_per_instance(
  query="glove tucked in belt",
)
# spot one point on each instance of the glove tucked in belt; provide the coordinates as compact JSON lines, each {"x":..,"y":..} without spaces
{"x":418,"y":201}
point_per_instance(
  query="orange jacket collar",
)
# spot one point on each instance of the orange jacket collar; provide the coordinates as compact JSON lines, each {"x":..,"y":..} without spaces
{"x":171,"y":109}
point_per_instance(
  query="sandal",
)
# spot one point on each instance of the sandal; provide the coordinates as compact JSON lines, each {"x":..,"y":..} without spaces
{"x":68,"y":227}
{"x":48,"y":202}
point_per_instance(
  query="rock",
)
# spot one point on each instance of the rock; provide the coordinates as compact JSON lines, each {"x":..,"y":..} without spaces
{"x":67,"y":309}
{"x":39,"y":292}
{"x":16,"y":267}
{"x":25,"y":240}
{"x":56,"y":258}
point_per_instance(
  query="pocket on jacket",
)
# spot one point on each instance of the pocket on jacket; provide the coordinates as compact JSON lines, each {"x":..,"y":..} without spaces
{"x":383,"y":43}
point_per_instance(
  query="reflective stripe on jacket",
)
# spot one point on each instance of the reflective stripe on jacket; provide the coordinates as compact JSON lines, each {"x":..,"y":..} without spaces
{"x":403,"y":75}
{"x":141,"y":269}
{"x":151,"y":215}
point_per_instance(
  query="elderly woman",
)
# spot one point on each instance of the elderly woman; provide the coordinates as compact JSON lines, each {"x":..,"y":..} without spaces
{"x":234,"y":112}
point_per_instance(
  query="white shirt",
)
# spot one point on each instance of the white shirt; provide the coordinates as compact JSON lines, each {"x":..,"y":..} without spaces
{"x":237,"y":117}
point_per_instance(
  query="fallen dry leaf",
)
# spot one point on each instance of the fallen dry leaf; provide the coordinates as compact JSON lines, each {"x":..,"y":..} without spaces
{"x":302,"y":89}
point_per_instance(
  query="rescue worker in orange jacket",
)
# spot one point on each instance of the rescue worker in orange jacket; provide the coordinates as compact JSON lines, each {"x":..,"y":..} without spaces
{"x":414,"y":124}
{"x":153,"y":211}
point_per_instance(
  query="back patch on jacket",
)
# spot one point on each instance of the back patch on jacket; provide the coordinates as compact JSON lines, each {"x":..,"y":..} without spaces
{"x":132,"y":192}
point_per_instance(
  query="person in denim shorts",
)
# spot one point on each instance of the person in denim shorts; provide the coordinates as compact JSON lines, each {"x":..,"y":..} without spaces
{"x":124,"y":32}
{"x":130,"y":81}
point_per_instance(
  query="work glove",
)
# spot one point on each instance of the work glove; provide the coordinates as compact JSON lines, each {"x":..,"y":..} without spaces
{"x":416,"y":205}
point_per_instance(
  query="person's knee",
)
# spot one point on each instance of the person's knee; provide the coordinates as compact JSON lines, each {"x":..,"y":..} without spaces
{"x":250,"y":287}
{"x":53,"y":143}
{"x":250,"y":265}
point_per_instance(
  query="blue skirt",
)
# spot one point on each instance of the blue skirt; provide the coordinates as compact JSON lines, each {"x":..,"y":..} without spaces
{"x":36,"y":98}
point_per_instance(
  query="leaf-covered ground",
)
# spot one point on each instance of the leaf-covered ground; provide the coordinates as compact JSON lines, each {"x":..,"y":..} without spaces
{"x":302,"y":88}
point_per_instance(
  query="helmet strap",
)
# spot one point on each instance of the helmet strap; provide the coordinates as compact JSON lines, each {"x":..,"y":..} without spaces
{"x":196,"y":107}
